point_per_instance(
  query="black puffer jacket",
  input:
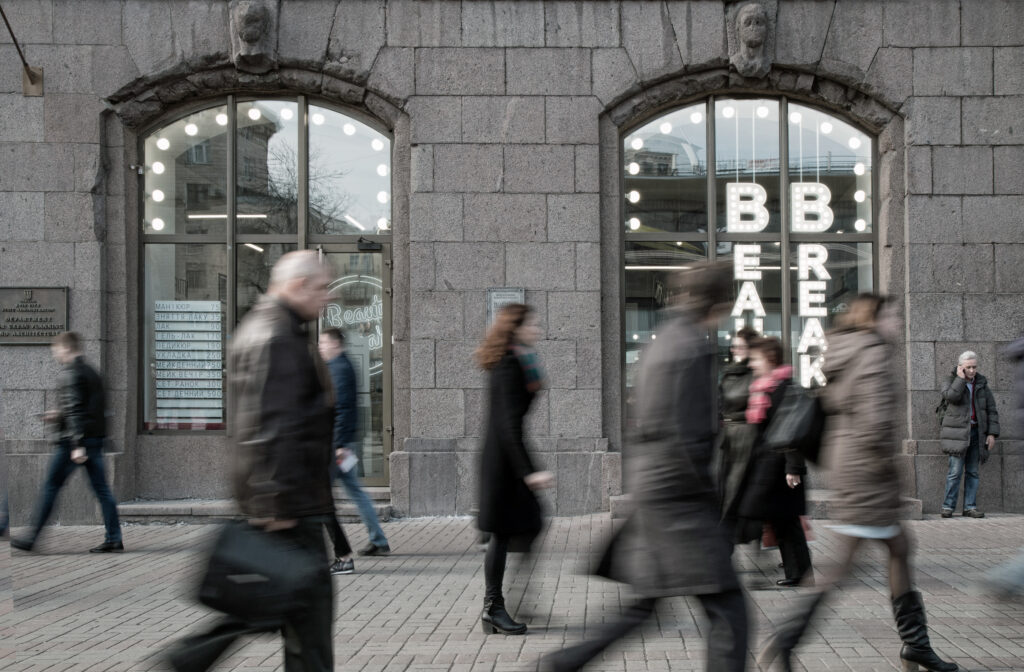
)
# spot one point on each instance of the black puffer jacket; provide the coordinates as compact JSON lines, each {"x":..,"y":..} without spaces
{"x":82,"y":404}
{"x":956,"y":421}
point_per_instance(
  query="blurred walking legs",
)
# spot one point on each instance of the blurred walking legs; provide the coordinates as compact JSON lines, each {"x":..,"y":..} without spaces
{"x":495,"y":618}
{"x":1007,"y":580}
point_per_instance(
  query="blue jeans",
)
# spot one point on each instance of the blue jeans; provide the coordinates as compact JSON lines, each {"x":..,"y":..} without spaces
{"x":968,"y":466}
{"x":350,"y":480}
{"x":61,"y":467}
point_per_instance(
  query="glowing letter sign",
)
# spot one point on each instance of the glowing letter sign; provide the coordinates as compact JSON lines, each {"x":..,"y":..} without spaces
{"x":744,"y":207}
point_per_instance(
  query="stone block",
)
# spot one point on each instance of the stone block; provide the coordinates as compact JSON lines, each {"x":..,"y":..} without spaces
{"x":855,"y":34}
{"x":21,"y":412}
{"x":421,"y":363}
{"x":461,"y":72}
{"x":455,"y":367}
{"x":475,"y":312}
{"x":559,"y":361}
{"x":581,"y":492}
{"x":1008,"y":71}
{"x":304,"y":30}
{"x":921,"y":373}
{"x":952,"y":268}
{"x":116,"y":268}
{"x":575,"y":413}
{"x":21,"y":118}
{"x":435,"y":119}
{"x":31,"y":21}
{"x":572,"y":120}
{"x":801,"y":29}
{"x":21,"y":216}
{"x":437,"y":413}
{"x":611,"y":478}
{"x":422,"y":266}
{"x":546,"y":266}
{"x":924,"y":423}
{"x":539,"y":169}
{"x":503,"y":23}
{"x":504,"y":119}
{"x":994,"y":219}
{"x":399,"y":476}
{"x":467,"y":478}
{"x":112,"y":68}
{"x":581,"y":24}
{"x":88,"y":271}
{"x":10,"y":70}
{"x":86,"y":22}
{"x":392,"y":73}
{"x":37,"y":166}
{"x":919,"y":169}
{"x":435,"y":217}
{"x":988,"y":23}
{"x":66,"y":68}
{"x":993,"y":120}
{"x":469,"y":265}
{"x":588,"y":169}
{"x":1008,"y":169}
{"x":37,"y":265}
{"x":700,"y":33}
{"x":357,"y":34}
{"x":915,"y":23}
{"x":422,"y":168}
{"x":85,"y":308}
{"x":436,"y":315}
{"x":87,"y":168}
{"x":72,"y":117}
{"x":940,"y":316}
{"x":505,"y":217}
{"x":934,"y":219}
{"x":468,"y":168}
{"x":614,"y":76}
{"x":538,"y":420}
{"x":1013,"y":483}
{"x":649,"y":38}
{"x":574,"y":217}
{"x":573,"y":315}
{"x":953,"y":71}
{"x":1009,"y":269}
{"x":933,"y":121}
{"x":69,"y":216}
{"x":588,"y":266}
{"x":424,"y":23}
{"x":589,"y":364}
{"x":548,"y":72}
{"x":475,"y":400}
{"x":891,"y":75}
{"x":998,"y":317}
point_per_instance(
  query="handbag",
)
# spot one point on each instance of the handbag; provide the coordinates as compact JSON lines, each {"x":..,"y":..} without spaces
{"x":797,"y":424}
{"x":257,"y":575}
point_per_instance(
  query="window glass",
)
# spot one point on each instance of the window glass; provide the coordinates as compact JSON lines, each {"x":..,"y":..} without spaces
{"x":349,"y":175}
{"x":665,"y":173}
{"x":268,"y":160}
{"x":185,"y":168}
{"x":757,"y":303}
{"x":184,"y":309}
{"x":747,"y":165}
{"x":829,"y":165}
{"x":252,"y":272}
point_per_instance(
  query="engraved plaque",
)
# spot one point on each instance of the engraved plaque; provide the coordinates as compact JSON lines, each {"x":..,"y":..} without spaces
{"x":32,"y":315}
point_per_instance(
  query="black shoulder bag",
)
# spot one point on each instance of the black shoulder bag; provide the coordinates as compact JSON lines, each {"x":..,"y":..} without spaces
{"x":797,"y":424}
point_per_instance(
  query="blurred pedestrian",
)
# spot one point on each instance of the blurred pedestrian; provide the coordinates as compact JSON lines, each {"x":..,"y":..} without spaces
{"x":346,"y":448}
{"x":970,"y":413}
{"x":81,"y":429}
{"x":509,"y":509}
{"x":673,"y":543}
{"x":774,"y":490}
{"x":736,"y":437}
{"x":860,"y":440}
{"x":281,"y":418}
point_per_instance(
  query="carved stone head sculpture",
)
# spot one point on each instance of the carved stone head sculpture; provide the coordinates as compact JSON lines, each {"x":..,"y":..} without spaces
{"x":253,"y":27}
{"x":751,"y":50}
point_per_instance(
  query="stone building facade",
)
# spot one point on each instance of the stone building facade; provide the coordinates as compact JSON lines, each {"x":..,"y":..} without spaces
{"x":507,"y":126}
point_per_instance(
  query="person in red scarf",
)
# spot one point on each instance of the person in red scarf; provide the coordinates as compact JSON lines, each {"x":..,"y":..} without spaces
{"x":774,"y":491}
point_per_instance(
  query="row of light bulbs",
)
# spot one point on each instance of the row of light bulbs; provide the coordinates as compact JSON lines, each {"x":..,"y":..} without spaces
{"x":191,"y":129}
{"x":729,"y":112}
{"x":634,"y":224}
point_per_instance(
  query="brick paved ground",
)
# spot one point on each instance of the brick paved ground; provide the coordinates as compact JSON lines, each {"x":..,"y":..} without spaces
{"x":418,"y":609}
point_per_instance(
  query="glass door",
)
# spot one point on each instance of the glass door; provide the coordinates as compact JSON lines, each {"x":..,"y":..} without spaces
{"x":360,"y":306}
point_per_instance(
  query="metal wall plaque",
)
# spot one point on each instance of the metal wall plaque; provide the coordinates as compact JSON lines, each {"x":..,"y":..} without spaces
{"x":32,"y":315}
{"x":502,"y":296}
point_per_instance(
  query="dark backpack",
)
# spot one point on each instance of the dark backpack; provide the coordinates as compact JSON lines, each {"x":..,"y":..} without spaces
{"x":940,"y":410}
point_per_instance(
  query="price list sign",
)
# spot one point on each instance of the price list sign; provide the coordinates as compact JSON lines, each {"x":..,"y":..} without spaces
{"x":189,"y":361}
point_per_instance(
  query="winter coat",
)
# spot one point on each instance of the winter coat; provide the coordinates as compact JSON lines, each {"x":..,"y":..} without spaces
{"x":736,"y":438}
{"x":672,"y":544}
{"x":860,"y":440}
{"x":955,"y":432}
{"x":508,"y":508}
{"x":82,"y":405}
{"x":281,"y":415}
{"x":346,"y":412}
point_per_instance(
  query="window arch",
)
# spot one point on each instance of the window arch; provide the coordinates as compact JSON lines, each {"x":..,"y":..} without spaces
{"x":767,"y":183}
{"x":226,"y":189}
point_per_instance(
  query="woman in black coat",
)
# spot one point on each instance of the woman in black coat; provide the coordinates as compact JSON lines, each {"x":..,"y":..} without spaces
{"x":509,"y":510}
{"x":735,"y":437}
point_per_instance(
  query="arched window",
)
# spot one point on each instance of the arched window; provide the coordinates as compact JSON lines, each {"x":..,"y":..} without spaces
{"x":227,"y":189}
{"x":784,"y":191}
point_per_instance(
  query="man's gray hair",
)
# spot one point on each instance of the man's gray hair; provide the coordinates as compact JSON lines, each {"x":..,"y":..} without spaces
{"x":297,"y":264}
{"x":967,"y":354}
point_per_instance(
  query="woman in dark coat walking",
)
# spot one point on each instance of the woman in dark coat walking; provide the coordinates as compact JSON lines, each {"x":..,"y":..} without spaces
{"x":860,"y":439}
{"x":509,"y":510}
{"x":736,"y":437}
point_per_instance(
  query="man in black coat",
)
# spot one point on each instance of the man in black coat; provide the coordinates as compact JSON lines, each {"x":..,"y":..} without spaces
{"x":81,"y":430}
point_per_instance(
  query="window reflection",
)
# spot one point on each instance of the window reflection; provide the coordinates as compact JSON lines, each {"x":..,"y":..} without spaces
{"x":268,"y":160}
{"x":747,"y":166}
{"x":252,"y":272}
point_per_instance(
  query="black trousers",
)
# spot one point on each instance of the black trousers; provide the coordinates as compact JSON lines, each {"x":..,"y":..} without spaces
{"x":308,"y":641}
{"x":726,"y":637}
{"x":796,"y":557}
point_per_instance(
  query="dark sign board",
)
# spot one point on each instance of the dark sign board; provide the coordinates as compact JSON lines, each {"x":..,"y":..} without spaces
{"x":32,"y":315}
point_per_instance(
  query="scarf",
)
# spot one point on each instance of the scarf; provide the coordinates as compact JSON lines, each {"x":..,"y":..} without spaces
{"x":760,"y":393}
{"x":530,"y":363}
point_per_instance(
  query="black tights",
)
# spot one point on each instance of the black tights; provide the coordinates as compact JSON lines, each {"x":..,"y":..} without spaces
{"x":494,"y":566}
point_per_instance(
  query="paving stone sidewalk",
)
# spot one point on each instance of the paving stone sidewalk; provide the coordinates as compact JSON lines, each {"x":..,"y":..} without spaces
{"x":62,"y":609}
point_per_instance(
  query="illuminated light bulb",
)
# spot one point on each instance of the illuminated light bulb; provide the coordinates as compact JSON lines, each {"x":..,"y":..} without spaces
{"x":728,"y":112}
{"x":762,"y":111}
{"x":158,"y":168}
{"x":633,"y":168}
{"x":349,"y":129}
{"x":854,"y":143}
{"x":382,"y":170}
{"x":163,"y":143}
{"x":795,"y":117}
{"x":679,"y":243}
{"x":157,"y":224}
{"x":382,"y":197}
{"x":222,"y":119}
{"x":665,"y":128}
{"x":287,"y":114}
{"x":254,"y":113}
{"x":158,"y":195}
{"x":826,"y":127}
{"x":654,"y":337}
{"x":860,"y":225}
{"x":318,"y":119}
{"x":382,"y":223}
{"x":859,"y":195}
{"x":636,"y":337}
{"x":634,"y":223}
{"x":858,"y":169}
{"x":377,"y":144}
{"x":633,"y":196}
{"x":696,"y":117}
{"x":636,"y":143}
{"x":191,"y":129}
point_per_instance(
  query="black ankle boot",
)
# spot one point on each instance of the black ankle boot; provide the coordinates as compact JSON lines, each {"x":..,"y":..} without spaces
{"x":780,"y":646}
{"x":913,"y":628}
{"x":495,"y":619}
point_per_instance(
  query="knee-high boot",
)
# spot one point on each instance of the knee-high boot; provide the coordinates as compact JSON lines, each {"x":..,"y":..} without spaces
{"x":788,"y":635}
{"x":913,"y":628}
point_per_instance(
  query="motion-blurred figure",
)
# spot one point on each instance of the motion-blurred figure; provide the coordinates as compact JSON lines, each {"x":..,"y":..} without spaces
{"x":281,"y":415}
{"x":860,"y":440}
{"x":736,"y":438}
{"x":509,"y":509}
{"x":774,"y":490}
{"x":673,"y":544}
{"x":81,"y":428}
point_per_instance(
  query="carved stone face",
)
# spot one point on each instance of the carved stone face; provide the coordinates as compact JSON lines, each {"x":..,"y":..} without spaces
{"x":253,"y":34}
{"x":752,"y":22}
